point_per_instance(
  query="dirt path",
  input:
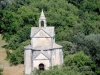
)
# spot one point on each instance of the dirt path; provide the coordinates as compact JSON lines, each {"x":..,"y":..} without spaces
{"x":8,"y":70}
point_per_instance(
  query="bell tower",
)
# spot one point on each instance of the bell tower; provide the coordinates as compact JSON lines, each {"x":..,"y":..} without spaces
{"x":42,"y":19}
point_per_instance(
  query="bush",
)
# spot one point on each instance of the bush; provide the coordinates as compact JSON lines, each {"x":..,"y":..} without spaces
{"x":18,"y":38}
{"x":17,"y":56}
{"x":1,"y":70}
{"x":81,"y":61}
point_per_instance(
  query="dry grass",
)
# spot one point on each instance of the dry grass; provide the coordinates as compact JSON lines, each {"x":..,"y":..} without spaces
{"x":8,"y":70}
{"x":13,"y":70}
{"x":2,"y":43}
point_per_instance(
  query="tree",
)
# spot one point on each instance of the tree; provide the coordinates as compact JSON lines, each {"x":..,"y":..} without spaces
{"x":17,"y":56}
{"x":68,"y":47}
{"x":5,"y":3}
{"x":81,"y":61}
{"x":89,"y":44}
{"x":10,"y":23}
{"x":93,"y":42}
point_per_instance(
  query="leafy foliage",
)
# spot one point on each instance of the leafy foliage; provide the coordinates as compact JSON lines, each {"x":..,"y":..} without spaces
{"x":77,"y":28}
{"x":83,"y":63}
{"x":20,"y":37}
{"x":89,"y":44}
{"x":68,"y":48}
{"x":17,"y":56}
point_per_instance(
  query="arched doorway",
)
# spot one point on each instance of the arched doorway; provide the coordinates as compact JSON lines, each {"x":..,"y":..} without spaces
{"x":41,"y":66}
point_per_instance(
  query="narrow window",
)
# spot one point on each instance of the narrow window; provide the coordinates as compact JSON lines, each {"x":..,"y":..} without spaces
{"x":42,"y":23}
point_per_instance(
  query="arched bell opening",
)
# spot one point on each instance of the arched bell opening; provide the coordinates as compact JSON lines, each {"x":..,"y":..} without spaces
{"x":41,"y":66}
{"x":42,"y":23}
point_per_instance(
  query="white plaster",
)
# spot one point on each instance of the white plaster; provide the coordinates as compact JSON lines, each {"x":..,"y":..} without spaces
{"x":41,"y":33}
{"x":27,"y":61}
{"x":45,"y":62}
{"x":41,"y":42}
{"x":40,"y":56}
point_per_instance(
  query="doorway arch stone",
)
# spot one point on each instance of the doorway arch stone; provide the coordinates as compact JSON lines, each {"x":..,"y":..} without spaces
{"x":41,"y":66}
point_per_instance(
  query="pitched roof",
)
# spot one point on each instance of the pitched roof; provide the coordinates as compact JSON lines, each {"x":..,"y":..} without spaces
{"x":43,"y":47}
{"x":42,"y":52}
{"x":56,"y":46}
{"x":48,"y":30}
{"x":28,"y":47}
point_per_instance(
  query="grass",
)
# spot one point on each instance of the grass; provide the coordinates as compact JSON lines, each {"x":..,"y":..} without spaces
{"x":2,"y":43}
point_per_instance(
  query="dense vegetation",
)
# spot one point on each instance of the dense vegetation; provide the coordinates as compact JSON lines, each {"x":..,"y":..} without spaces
{"x":77,"y":27}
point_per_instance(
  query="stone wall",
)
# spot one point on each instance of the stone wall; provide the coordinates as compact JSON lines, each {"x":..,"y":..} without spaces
{"x":45,"y":62}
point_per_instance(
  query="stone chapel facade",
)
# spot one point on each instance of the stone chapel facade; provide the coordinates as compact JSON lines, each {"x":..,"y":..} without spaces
{"x":43,"y":52}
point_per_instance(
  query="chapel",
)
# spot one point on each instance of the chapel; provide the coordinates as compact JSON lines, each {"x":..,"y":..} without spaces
{"x":43,"y":52}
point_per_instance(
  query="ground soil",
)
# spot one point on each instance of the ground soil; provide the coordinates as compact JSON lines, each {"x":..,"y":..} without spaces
{"x":7,"y":69}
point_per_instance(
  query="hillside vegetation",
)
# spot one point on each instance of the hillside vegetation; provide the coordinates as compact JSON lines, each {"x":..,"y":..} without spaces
{"x":77,"y":28}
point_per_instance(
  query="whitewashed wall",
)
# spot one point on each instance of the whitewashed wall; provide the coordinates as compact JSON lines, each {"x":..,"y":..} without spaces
{"x":44,"y":40}
{"x":57,"y":57}
{"x":45,"y":62}
{"x":27,"y":61}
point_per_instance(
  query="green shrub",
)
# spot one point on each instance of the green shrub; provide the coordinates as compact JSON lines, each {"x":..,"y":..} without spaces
{"x":17,"y":56}
{"x":1,"y":70}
